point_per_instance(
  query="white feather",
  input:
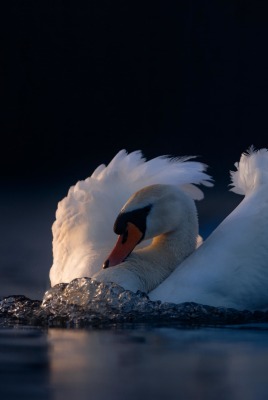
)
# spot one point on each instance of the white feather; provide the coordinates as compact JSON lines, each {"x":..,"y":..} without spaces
{"x":252,"y":171}
{"x":230,"y":268}
{"x":83,"y":229}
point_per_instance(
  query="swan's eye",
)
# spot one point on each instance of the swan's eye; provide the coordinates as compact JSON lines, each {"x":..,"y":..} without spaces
{"x":124,"y":236}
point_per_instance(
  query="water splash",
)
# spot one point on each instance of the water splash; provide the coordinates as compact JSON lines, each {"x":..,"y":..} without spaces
{"x":85,"y":302}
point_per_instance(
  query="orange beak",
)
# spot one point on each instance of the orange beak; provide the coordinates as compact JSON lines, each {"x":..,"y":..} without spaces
{"x":124,"y":246}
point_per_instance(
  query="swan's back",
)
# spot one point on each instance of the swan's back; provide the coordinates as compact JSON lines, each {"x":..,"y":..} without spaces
{"x":82,"y":231}
{"x":231,"y":267}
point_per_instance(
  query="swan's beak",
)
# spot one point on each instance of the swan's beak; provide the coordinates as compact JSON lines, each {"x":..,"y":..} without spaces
{"x":124,"y":246}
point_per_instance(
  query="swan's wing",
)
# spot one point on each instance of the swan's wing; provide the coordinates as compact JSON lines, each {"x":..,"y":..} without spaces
{"x":230,"y":268}
{"x":82,"y":231}
{"x":252,"y":171}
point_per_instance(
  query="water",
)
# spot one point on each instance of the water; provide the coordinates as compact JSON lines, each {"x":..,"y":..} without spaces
{"x":87,"y":303}
{"x":119,"y":360}
{"x":140,"y":361}
{"x":179,"y":351}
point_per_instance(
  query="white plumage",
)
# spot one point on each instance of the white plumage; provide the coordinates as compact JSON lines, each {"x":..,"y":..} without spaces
{"x":83,"y":230}
{"x":252,"y":171}
{"x":231,"y":267}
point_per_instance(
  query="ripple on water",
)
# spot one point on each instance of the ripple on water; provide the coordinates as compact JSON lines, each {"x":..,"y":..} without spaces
{"x":85,"y":302}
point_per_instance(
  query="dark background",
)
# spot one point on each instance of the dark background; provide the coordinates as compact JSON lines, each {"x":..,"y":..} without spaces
{"x":81,"y":80}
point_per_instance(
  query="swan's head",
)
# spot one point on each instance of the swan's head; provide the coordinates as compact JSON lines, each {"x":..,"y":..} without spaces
{"x":152,"y":211}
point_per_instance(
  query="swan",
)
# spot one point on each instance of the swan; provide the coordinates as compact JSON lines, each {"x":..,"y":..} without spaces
{"x":230,"y":268}
{"x":82,"y":231}
{"x":160,"y":212}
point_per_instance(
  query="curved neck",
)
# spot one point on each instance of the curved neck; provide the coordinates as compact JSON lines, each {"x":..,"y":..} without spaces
{"x":155,"y":262}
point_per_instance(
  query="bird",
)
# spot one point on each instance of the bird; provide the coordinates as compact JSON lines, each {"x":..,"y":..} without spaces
{"x":83,"y":228}
{"x":163,"y":213}
{"x":230,"y":268}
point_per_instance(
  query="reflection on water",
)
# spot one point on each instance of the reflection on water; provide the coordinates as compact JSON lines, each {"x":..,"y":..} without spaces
{"x":139,"y":362}
{"x":160,"y":363}
{"x":70,"y":361}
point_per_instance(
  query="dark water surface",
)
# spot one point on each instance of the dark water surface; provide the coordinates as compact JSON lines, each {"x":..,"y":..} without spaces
{"x":135,"y":362}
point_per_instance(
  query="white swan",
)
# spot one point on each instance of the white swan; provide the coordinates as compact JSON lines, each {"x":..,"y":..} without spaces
{"x":231,"y":267}
{"x":82,"y":231}
{"x":160,"y":212}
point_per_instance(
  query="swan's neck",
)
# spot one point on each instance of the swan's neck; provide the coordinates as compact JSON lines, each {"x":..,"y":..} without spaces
{"x":155,"y":262}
